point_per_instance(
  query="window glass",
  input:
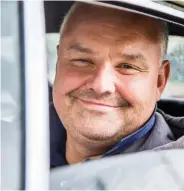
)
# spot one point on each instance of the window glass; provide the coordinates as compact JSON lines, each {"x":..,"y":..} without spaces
{"x":52,"y":40}
{"x":175,"y":86}
{"x":10,"y":97}
{"x":175,"y":54}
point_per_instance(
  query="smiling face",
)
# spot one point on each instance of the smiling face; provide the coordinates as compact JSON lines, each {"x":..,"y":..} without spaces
{"x":108,"y":75}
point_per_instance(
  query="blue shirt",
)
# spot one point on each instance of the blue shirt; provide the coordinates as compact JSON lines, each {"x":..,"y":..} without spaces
{"x":132,"y":138}
{"x":58,"y":139}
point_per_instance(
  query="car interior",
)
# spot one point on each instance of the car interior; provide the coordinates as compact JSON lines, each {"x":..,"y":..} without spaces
{"x":54,"y":14}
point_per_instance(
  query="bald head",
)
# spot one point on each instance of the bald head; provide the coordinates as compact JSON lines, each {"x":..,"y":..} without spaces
{"x":85,"y":13}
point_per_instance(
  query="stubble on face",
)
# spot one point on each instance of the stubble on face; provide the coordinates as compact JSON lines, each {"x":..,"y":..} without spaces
{"x":95,"y":125}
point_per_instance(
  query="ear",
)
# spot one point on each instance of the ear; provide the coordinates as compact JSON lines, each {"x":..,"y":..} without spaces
{"x":164,"y":73}
{"x":57,"y":47}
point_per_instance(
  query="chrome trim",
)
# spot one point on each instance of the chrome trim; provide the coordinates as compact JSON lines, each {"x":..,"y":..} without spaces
{"x":144,"y":4}
{"x":155,"y":6}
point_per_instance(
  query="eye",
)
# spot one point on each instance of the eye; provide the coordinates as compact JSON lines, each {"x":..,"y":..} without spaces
{"x":126,"y":66}
{"x":81,"y":62}
{"x":127,"y":69}
{"x":85,"y":61}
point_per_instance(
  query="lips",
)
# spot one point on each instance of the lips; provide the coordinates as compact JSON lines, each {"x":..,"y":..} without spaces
{"x":97,"y":103}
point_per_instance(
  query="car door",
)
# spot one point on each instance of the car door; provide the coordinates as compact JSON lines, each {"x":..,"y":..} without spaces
{"x":24,"y":97}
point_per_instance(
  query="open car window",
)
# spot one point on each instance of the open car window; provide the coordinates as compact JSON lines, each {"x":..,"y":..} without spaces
{"x":24,"y":100}
{"x":175,"y":54}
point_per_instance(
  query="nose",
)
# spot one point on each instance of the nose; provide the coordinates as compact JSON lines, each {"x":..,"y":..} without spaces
{"x":102,"y":81}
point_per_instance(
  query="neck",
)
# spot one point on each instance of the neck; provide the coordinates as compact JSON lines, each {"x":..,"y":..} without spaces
{"x":80,"y":151}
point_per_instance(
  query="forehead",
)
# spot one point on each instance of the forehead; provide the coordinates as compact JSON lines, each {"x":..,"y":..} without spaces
{"x":109,"y":32}
{"x":114,"y":22}
{"x":112,"y":38}
{"x":99,"y":30}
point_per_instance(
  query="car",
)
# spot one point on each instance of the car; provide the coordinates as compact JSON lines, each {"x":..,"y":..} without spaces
{"x":28,"y":39}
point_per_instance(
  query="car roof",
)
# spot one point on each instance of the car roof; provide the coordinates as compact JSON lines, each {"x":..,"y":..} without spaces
{"x":164,"y":11}
{"x":173,"y":12}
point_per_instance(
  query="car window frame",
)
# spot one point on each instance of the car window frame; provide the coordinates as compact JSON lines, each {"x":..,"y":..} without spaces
{"x":36,"y":97}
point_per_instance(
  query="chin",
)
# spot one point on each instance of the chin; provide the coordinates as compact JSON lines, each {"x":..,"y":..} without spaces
{"x":98,"y":136}
{"x":94,"y":130}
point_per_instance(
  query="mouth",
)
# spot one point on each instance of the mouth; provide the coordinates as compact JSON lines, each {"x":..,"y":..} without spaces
{"x":95,"y":105}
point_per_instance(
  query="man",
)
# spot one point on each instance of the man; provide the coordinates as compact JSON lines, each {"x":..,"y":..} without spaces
{"x":110,"y":74}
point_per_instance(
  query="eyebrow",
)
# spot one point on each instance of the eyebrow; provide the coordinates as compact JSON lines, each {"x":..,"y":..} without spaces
{"x":130,"y":57}
{"x":80,"y":48}
{"x":133,"y":57}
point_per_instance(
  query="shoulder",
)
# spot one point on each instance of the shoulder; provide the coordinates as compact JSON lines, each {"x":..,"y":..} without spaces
{"x":57,"y":138}
{"x":176,"y":124}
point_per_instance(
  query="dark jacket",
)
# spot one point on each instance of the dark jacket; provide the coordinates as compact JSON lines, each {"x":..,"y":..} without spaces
{"x":167,"y":133}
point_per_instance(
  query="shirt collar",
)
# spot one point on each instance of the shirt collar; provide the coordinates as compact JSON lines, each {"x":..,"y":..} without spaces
{"x":124,"y":143}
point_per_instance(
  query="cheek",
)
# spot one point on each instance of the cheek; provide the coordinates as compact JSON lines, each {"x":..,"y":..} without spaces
{"x":137,"y":89}
{"x":68,"y":80}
